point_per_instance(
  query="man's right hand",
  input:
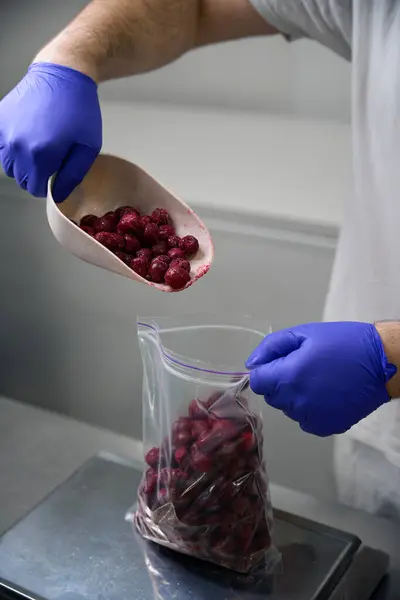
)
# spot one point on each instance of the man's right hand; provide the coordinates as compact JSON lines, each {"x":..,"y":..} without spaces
{"x":50,"y":122}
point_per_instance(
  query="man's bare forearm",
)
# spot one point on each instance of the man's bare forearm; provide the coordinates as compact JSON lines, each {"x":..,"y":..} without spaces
{"x":117,"y":38}
{"x":114,"y":38}
{"x":390,"y":335}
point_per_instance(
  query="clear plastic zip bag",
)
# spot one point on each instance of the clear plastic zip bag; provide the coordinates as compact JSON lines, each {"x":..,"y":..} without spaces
{"x":205,"y":490}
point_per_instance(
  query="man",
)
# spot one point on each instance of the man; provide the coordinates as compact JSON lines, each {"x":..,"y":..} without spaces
{"x":51,"y":122}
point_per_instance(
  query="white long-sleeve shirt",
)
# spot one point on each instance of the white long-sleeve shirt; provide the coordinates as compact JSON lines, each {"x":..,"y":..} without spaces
{"x":365,"y":284}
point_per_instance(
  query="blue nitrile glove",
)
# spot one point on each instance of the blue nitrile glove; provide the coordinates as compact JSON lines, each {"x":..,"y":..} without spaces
{"x":325,"y":376}
{"x":50,"y":122}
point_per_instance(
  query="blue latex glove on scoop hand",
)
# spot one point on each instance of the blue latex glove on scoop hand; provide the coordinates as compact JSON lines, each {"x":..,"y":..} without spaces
{"x":325,"y":376}
{"x":50,"y":122}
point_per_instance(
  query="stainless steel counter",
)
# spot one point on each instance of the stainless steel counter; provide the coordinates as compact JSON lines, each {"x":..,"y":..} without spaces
{"x":38,"y":450}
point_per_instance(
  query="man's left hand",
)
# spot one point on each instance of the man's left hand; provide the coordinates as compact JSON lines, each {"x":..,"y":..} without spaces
{"x":325,"y":376}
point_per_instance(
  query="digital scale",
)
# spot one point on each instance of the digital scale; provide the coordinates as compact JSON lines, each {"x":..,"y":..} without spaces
{"x":76,"y":545}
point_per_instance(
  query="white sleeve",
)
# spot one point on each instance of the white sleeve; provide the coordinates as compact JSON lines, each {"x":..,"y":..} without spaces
{"x":326,"y":21}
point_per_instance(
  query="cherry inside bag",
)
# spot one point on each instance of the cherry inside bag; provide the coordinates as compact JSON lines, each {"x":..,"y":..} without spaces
{"x":205,"y":489}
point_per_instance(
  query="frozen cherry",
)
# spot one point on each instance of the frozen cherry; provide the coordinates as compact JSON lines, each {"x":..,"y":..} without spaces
{"x":252,"y":462}
{"x":150,"y":234}
{"x":160,"y":216}
{"x":199,"y":428}
{"x":146,"y":219}
{"x":157,"y":270}
{"x":160,"y":248}
{"x":176,"y":253}
{"x":228,"y":450}
{"x":126,"y":210}
{"x":106,"y":223}
{"x":227,"y":493}
{"x":261,"y":539}
{"x":152,"y":457}
{"x":144,"y":253}
{"x":182,"y":424}
{"x":197,"y":410}
{"x":180,"y":475}
{"x":96,"y":225}
{"x":164,"y":258}
{"x":140,"y":266}
{"x":222,"y":431}
{"x":180,"y":455}
{"x":130,"y":223}
{"x":87,"y":229}
{"x":88,"y":220}
{"x":172,"y":476}
{"x":182,"y":438}
{"x":189,"y":244}
{"x":112,"y":241}
{"x":238,"y":467}
{"x":248,"y":441}
{"x":173,"y":241}
{"x":165,"y":232}
{"x":207,"y":500}
{"x":165,"y":475}
{"x":132,"y":244}
{"x":126,"y":258}
{"x":192,"y":518}
{"x":151,"y":481}
{"x":227,"y":527}
{"x":200,"y":461}
{"x":228,"y":547}
{"x":176,"y":278}
{"x":182,"y":263}
{"x":181,"y":432}
{"x":163,"y":496}
{"x":245,"y":532}
{"x":241,"y":506}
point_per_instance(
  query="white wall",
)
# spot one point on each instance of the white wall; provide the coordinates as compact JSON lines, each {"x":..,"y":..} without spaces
{"x":301,"y":79}
{"x":275,"y":166}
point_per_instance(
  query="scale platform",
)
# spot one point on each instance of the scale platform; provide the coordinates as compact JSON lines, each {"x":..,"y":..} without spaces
{"x":76,"y":545}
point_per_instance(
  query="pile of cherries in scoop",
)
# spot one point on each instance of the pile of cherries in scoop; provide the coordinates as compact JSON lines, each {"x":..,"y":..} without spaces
{"x":148,"y":244}
{"x":206,"y":486}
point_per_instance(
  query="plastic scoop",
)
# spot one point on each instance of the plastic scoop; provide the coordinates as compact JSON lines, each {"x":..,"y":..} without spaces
{"x":111,"y":183}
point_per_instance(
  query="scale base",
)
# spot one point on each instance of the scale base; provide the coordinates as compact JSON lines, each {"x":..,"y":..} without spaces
{"x":76,"y":546}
